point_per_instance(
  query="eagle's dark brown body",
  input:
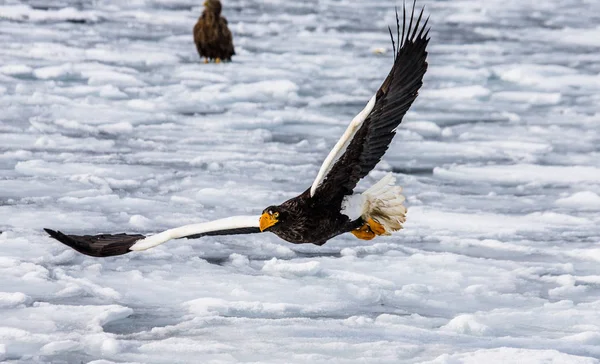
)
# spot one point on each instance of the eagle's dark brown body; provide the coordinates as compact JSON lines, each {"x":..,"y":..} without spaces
{"x":306,"y":220}
{"x":211,"y":34}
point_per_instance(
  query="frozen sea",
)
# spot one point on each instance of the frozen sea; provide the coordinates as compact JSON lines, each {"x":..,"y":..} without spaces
{"x":109,"y":123}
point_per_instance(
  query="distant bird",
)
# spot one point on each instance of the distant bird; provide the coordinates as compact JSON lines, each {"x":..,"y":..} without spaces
{"x":329,"y":207}
{"x":211,"y":34}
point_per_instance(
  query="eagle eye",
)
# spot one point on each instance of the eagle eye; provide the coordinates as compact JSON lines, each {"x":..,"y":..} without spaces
{"x":276,"y":215}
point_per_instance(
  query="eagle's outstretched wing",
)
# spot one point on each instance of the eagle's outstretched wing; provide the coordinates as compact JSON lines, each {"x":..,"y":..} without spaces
{"x":106,"y":245}
{"x":367,"y":138}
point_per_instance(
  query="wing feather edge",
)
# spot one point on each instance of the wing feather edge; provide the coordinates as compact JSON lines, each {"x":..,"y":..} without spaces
{"x":340,"y":147}
{"x":229,"y":223}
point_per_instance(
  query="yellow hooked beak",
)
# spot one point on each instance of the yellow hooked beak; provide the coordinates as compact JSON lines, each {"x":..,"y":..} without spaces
{"x":267,"y":220}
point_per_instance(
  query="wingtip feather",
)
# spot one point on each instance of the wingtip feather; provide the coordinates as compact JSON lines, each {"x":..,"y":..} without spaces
{"x":55,"y":234}
{"x":412,"y":34}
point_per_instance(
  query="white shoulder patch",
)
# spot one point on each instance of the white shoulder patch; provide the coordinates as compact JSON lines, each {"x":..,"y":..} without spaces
{"x":340,"y":147}
{"x":193,"y":229}
{"x":353,"y":206}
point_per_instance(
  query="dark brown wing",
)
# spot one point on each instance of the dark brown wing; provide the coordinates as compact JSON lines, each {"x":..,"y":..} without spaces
{"x":393,"y":99}
{"x":107,"y":245}
{"x":226,"y":40}
{"x":200,"y":35}
{"x":104,"y":245}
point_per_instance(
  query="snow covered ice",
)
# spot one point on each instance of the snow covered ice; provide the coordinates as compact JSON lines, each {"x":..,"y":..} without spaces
{"x":110,"y":123}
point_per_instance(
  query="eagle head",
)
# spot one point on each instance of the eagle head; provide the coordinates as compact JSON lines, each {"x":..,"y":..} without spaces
{"x":213,"y":6}
{"x":272,"y":216}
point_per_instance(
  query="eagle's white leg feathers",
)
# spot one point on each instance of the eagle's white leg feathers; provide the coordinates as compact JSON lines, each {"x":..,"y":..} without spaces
{"x":383,"y":202}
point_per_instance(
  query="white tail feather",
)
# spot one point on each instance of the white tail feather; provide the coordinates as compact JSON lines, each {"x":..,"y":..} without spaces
{"x":383,"y":202}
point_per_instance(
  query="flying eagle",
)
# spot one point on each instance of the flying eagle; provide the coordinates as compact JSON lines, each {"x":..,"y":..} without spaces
{"x":329,"y":207}
{"x":211,"y":34}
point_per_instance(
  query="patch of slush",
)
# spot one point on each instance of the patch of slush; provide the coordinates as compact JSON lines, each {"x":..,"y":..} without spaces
{"x":512,"y":355}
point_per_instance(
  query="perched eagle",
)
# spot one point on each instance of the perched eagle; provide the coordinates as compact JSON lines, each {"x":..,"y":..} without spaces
{"x":211,"y":34}
{"x":330,"y":206}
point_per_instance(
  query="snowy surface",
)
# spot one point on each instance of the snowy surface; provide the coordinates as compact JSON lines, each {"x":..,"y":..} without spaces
{"x":109,"y":123}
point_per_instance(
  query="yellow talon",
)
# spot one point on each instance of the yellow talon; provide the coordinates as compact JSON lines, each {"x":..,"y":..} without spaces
{"x":217,"y":60}
{"x":369,"y":230}
{"x":376,"y":227}
{"x":205,"y":60}
{"x":364,"y":232}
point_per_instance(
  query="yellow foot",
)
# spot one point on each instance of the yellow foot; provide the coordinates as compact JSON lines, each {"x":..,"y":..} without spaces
{"x":217,"y":60}
{"x":369,"y":230}
{"x":364,"y":232}
{"x":205,"y":60}
{"x":376,"y":227}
